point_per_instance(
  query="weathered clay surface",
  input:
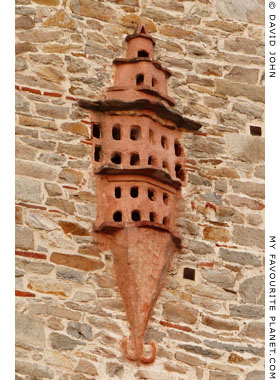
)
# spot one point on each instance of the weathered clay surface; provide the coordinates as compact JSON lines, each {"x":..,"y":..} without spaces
{"x":142,"y":257}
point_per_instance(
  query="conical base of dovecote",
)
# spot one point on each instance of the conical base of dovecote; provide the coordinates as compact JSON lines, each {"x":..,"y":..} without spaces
{"x":142,"y":257}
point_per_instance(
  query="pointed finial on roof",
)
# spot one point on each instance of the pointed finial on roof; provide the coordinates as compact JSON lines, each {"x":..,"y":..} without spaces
{"x":140,"y":31}
{"x":141,"y":28}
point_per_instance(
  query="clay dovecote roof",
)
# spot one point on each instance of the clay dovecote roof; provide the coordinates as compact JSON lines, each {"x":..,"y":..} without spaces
{"x":149,"y":94}
{"x":140,"y":31}
{"x":141,"y":104}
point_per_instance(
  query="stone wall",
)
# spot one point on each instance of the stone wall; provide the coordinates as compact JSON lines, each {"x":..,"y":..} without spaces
{"x":69,"y":315}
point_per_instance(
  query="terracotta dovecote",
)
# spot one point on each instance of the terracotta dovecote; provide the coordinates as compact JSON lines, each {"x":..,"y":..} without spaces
{"x":139,"y":169}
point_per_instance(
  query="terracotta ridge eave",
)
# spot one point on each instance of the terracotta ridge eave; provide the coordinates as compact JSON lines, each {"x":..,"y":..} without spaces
{"x":147,"y":90}
{"x":146,"y":171}
{"x":111,"y":227}
{"x":159,"y":108}
{"x":157,"y":64}
{"x":152,"y":91}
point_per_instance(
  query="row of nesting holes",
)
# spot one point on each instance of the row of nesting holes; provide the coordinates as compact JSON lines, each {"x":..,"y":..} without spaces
{"x":116,"y":158}
{"x":136,"y":217}
{"x":136,"y":134}
{"x":134,"y":192}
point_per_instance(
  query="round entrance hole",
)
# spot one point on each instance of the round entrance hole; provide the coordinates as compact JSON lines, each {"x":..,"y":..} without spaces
{"x":165,"y":221}
{"x":151,"y":136}
{"x":164,"y":142}
{"x":152,"y":216}
{"x":135,"y":216}
{"x":165,"y":198}
{"x":97,"y":153}
{"x":117,"y":216}
{"x":179,"y":172}
{"x":134,"y":159}
{"x":116,"y":158}
{"x":116,"y":132}
{"x":151,"y":194}
{"x":143,"y":53}
{"x":134,"y":192}
{"x":118,"y":192}
{"x":135,"y":133}
{"x":165,"y":165}
{"x":152,"y":161}
{"x":139,"y":79}
{"x":177,"y":148}
{"x":96,"y":131}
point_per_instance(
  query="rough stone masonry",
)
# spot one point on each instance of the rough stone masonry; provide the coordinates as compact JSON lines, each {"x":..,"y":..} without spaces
{"x":69,"y":315}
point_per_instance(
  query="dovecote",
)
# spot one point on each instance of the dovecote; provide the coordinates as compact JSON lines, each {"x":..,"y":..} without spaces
{"x":139,"y":169}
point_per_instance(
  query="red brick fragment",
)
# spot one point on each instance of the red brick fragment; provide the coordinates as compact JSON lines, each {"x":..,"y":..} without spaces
{"x":17,"y":87}
{"x":205,"y":264}
{"x":56,"y":94}
{"x":175,"y":326}
{"x":191,"y":167}
{"x":226,"y":246}
{"x":85,"y":121}
{"x":31,"y":206}
{"x":71,"y":98}
{"x":70,"y":187}
{"x":32,"y":90}
{"x":34,"y":255}
{"x":200,"y":134}
{"x":38,"y":289}
{"x":210,"y":205}
{"x":20,"y":293}
{"x":221,"y":224}
{"x":85,"y":142}
{"x":79,"y":55}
